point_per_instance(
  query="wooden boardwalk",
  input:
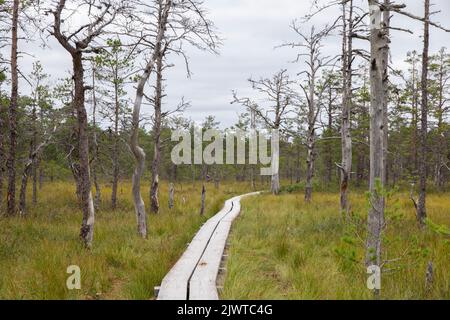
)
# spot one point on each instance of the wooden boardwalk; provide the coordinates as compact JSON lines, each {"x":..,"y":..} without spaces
{"x":194,"y":275}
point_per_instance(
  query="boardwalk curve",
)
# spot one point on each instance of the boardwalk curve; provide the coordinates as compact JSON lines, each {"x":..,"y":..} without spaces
{"x":194,"y":275}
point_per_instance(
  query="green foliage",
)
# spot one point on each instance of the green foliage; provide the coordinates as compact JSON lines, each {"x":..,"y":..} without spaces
{"x":439,"y":229}
{"x":35,"y":252}
{"x":326,"y":256}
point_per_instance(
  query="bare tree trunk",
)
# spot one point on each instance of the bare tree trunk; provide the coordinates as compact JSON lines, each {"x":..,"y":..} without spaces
{"x":2,"y":157}
{"x":378,"y":41}
{"x":35,"y":181}
{"x":310,"y":157}
{"x":157,"y":134}
{"x":138,"y":152}
{"x":87,"y":204}
{"x":202,"y":207}
{"x":385,"y":52}
{"x":421,"y":206}
{"x":97,"y":198}
{"x":23,"y":188}
{"x":139,"y":155}
{"x":115,"y":149}
{"x":41,"y":177}
{"x":11,"y":162}
{"x":346,"y":141}
{"x":414,"y":118}
{"x":171,"y":195}
{"x":34,"y":165}
{"x":309,"y":167}
{"x":275,"y":180}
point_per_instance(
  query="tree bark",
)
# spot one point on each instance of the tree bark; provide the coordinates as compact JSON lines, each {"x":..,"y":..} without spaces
{"x":138,"y":152}
{"x":310,"y":164}
{"x":115,"y":150}
{"x":98,"y":195}
{"x":171,"y":195}
{"x":310,"y":157}
{"x":34,"y":141}
{"x":421,"y":206}
{"x":202,"y":205}
{"x":346,"y":141}
{"x":139,"y":156}
{"x":87,"y":203}
{"x":2,"y":155}
{"x":378,"y":41}
{"x":157,"y":134}
{"x":11,"y":162}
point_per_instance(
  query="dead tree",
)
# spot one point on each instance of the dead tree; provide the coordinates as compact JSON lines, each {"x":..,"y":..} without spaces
{"x":347,"y":73}
{"x":280,"y":96}
{"x":171,"y":195}
{"x":311,"y":45}
{"x":378,"y":40}
{"x":187,"y":23}
{"x":11,"y":161}
{"x":95,"y":145}
{"x":421,"y":205}
{"x":379,"y":14}
{"x":157,"y":123}
{"x":202,"y":205}
{"x":2,"y":154}
{"x":78,"y":41}
{"x":139,"y":154}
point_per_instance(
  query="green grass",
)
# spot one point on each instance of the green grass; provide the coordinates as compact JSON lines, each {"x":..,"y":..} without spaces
{"x":282,"y":248}
{"x":36,"y":251}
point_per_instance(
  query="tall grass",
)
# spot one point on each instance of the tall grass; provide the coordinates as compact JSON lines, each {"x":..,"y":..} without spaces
{"x":282,"y":248}
{"x":36,"y":251}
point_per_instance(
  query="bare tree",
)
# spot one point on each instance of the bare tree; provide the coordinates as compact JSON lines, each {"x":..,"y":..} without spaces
{"x":11,"y":161}
{"x":164,"y":7}
{"x":95,"y":145}
{"x":421,"y":205}
{"x":311,"y":45}
{"x":78,"y":41}
{"x":280,"y":96}
{"x":378,"y":81}
{"x":187,"y":23}
{"x":347,"y":73}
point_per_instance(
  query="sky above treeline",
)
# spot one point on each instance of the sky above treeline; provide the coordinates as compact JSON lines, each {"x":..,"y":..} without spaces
{"x":251,"y":31}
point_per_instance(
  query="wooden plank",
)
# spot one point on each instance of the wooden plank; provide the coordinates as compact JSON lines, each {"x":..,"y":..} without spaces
{"x":198,"y":266}
{"x":202,"y":285}
{"x":174,"y":286}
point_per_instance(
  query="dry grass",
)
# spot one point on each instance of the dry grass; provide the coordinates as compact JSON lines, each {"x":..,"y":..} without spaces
{"x":35,"y":251}
{"x":282,"y":248}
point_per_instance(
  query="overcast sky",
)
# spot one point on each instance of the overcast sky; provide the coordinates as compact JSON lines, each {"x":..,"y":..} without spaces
{"x":250,"y":29}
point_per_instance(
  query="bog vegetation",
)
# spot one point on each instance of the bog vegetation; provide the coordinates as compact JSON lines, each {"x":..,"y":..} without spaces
{"x":85,"y":175}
